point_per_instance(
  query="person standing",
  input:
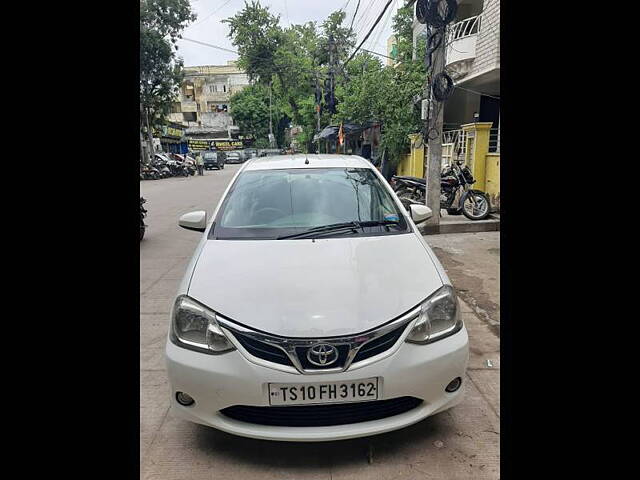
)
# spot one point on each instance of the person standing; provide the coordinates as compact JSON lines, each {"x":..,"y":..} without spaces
{"x":200,"y":163}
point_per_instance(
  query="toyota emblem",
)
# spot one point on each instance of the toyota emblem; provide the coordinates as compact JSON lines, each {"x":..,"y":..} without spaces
{"x":322,"y":354}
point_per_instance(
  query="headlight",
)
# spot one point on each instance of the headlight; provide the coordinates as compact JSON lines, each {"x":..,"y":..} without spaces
{"x":194,"y":326}
{"x":439,"y":317}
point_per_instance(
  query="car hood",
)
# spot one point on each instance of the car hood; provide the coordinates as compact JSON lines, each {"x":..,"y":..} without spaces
{"x":320,"y":288}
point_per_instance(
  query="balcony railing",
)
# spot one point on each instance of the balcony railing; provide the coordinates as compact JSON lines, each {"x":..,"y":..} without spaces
{"x":461,"y":44}
{"x":465,"y":28}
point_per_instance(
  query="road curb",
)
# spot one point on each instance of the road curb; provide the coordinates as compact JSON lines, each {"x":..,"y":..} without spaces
{"x":491,"y":224}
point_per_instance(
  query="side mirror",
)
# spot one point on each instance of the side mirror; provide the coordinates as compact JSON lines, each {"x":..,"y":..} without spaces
{"x":420,"y":213}
{"x":194,"y":221}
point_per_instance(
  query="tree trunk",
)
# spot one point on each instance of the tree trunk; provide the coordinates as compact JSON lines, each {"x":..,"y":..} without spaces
{"x":144,"y":152}
{"x":149,"y":133}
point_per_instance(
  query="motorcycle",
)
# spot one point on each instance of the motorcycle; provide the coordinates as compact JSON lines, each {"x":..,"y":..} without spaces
{"x":147,"y":172}
{"x":143,"y":213}
{"x":455,"y":195}
{"x":178,"y":169}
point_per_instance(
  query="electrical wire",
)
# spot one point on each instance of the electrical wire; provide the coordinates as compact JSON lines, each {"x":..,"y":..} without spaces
{"x":352,"y":19}
{"x":384,"y":25}
{"x":208,"y":16}
{"x":209,"y":45}
{"x":369,"y":33}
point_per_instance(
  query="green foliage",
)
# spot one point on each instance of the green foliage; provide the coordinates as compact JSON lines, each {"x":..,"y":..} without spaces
{"x":292,"y":59}
{"x":250,"y":110}
{"x":257,"y":35}
{"x":386,"y":93}
{"x":161,"y":22}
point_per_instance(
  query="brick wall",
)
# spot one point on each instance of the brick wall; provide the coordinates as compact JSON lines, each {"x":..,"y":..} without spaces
{"x":488,"y":43}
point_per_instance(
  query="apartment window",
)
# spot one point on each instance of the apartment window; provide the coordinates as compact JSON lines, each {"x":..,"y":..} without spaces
{"x":189,"y":116}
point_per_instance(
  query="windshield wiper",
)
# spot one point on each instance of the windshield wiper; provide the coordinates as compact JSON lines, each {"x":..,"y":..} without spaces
{"x":336,"y":227}
{"x":333,"y":227}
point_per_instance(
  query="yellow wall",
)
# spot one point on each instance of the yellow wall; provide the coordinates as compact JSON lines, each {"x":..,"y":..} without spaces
{"x":492,"y":183}
{"x":485,"y":166}
{"x":412,"y":164}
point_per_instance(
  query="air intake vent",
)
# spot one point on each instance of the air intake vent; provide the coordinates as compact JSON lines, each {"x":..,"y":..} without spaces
{"x":322,"y":415}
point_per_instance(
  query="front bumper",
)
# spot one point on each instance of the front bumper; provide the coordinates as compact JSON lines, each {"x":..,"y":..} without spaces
{"x":220,"y":381}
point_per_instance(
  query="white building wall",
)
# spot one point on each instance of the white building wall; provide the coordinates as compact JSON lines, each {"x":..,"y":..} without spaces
{"x":488,"y":41}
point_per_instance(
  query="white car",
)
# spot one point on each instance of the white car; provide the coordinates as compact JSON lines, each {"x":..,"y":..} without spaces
{"x":313,"y":309}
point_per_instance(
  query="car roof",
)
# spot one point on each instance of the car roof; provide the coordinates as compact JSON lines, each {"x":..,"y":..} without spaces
{"x":299,"y":161}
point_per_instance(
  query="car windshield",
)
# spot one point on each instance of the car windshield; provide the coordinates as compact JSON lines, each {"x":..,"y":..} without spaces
{"x":210,"y":155}
{"x":266,"y":204}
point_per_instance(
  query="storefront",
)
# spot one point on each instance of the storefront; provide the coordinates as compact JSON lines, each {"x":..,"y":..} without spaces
{"x":172,"y":138}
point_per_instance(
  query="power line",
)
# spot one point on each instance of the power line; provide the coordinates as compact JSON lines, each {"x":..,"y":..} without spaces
{"x":384,"y":25}
{"x":210,"y":15}
{"x":354,"y":17}
{"x":371,"y":30}
{"x":209,"y":45}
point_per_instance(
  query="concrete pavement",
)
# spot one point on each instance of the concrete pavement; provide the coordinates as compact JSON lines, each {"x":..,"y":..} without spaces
{"x":462,"y":443}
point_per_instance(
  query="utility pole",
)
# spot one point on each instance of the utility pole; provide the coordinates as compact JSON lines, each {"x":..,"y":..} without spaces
{"x":318,"y":97}
{"x":433,"y":154}
{"x":271,"y":139}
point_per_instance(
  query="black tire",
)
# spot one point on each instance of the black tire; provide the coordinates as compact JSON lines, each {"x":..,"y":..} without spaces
{"x":453,"y":211}
{"x":482,"y":211}
{"x":222,"y":167}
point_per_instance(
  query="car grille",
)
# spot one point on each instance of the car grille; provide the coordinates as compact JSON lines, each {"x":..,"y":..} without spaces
{"x":263,"y":350}
{"x":322,"y":415}
{"x":268,"y":351}
{"x":379,"y":345}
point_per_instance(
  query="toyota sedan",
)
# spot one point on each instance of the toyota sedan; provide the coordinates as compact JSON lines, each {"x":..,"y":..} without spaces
{"x":312,"y":308}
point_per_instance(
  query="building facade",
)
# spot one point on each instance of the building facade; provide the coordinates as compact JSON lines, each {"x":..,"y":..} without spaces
{"x":472,"y":113}
{"x":203,"y":106}
{"x":473,"y":61}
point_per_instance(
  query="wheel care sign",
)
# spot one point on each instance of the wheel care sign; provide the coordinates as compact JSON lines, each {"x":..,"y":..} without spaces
{"x":226,"y":145}
{"x":201,"y":144}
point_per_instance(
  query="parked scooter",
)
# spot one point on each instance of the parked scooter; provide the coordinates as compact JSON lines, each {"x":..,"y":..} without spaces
{"x":148,"y":172}
{"x":143,"y":213}
{"x":455,"y":195}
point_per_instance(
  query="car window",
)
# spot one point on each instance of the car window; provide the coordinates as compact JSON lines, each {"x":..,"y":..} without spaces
{"x":271,"y":203}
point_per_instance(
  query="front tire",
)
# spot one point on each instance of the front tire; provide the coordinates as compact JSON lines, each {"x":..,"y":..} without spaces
{"x":478,"y":210}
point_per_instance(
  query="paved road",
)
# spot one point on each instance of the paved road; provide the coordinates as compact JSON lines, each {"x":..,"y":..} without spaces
{"x":462,"y":443}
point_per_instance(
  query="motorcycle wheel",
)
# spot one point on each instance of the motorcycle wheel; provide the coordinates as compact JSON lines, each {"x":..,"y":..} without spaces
{"x":480,"y":210}
{"x":155,"y":175}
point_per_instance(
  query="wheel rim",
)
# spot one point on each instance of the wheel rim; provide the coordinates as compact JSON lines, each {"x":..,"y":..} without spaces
{"x":478,"y":208}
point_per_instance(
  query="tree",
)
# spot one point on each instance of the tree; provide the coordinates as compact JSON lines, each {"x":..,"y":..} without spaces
{"x":161,"y":22}
{"x":250,"y":110}
{"x":386,"y":93}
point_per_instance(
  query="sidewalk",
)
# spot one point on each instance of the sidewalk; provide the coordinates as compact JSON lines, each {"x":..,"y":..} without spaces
{"x":472,"y":262}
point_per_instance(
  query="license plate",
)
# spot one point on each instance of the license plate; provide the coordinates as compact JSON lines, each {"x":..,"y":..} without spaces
{"x":323,"y":392}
